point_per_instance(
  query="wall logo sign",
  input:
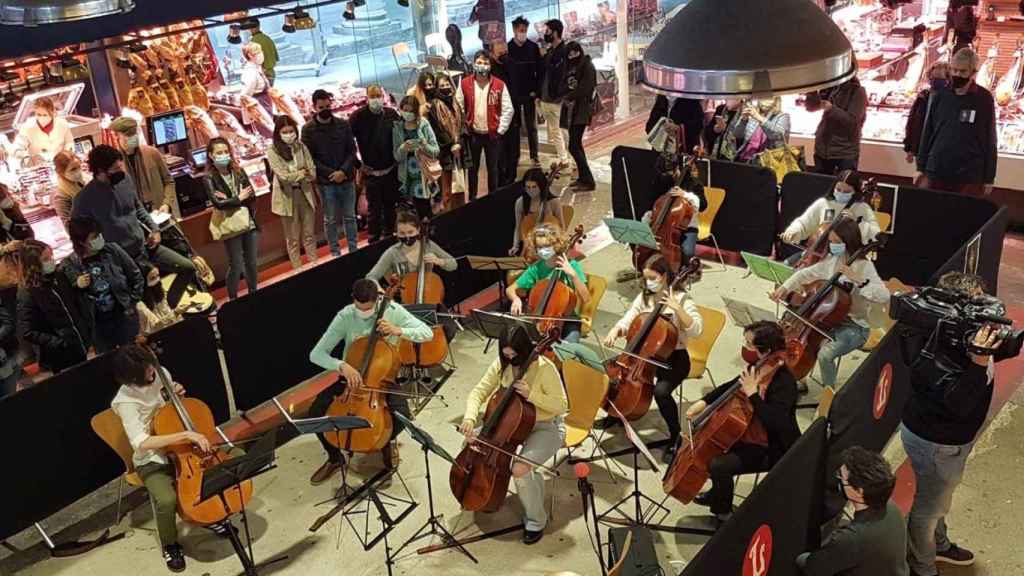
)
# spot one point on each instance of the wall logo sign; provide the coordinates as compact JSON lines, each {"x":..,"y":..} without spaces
{"x":883,"y":391}
{"x":759,"y":553}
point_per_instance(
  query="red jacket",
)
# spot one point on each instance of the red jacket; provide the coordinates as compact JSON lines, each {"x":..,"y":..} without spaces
{"x":493,"y":102}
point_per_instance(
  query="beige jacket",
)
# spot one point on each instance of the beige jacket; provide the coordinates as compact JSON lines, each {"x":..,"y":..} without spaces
{"x":63,"y":197}
{"x":152,"y":178}
{"x":290,"y":178}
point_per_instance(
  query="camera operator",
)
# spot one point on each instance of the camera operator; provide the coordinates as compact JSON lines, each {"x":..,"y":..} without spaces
{"x":952,"y":391}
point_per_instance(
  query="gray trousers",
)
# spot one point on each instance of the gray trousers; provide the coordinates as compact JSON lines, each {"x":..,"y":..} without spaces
{"x":541,"y":446}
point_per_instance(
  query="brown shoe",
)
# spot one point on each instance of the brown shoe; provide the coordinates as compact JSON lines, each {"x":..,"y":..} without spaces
{"x":325,"y":472}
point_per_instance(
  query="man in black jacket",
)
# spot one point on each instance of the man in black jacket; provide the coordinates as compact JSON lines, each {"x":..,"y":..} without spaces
{"x":333,"y":148}
{"x":837,"y":139}
{"x":526,"y":68}
{"x":552,"y":88}
{"x":958,"y":151}
{"x":578,"y":111}
{"x":774,"y":407}
{"x":951,"y":397}
{"x":371,"y":126}
{"x":938,"y":79}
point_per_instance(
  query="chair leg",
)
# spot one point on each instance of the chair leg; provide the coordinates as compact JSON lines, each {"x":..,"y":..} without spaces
{"x":710,"y":376}
{"x":120,"y":492}
{"x":718,"y":251}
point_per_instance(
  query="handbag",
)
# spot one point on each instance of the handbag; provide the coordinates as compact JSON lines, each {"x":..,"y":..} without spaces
{"x":782,"y":160}
{"x":430,"y":167}
{"x":229,"y":223}
{"x":459,"y":185}
{"x":753,"y":146}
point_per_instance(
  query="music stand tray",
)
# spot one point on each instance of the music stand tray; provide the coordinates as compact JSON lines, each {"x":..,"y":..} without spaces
{"x":323,"y":424}
{"x":633,"y":232}
{"x":579,"y":352}
{"x":492,"y":325}
{"x":744,"y":314}
{"x":766,"y":268}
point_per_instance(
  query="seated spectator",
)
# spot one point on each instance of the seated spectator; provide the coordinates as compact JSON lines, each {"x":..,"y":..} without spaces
{"x":109,"y":279}
{"x":70,"y":180}
{"x":154,"y":312}
{"x":50,"y":313}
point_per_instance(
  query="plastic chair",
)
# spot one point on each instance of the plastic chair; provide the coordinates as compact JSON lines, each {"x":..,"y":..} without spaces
{"x":107,"y":425}
{"x":884,"y":220}
{"x":715,"y":197}
{"x":700,"y":347}
{"x":825,"y":403}
{"x":567,"y":214}
{"x":586,"y":390}
{"x":597,"y":286}
{"x":410,"y":67}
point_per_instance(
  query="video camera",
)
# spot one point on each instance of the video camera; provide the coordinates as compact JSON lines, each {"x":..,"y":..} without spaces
{"x":953,"y":319}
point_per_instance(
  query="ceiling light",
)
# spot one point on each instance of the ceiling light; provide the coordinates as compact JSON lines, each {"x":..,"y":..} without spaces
{"x":303,"y":21}
{"x":234,"y":34}
{"x":249,"y":24}
{"x":289,"y":24}
{"x":739,"y":48}
{"x":37,"y":12}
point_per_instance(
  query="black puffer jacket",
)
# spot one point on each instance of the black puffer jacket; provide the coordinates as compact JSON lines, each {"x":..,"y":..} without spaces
{"x":51,"y":317}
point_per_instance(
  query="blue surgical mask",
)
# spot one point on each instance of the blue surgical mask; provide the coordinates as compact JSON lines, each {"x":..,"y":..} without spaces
{"x":842,"y":197}
{"x":222,"y":160}
{"x":97,"y":243}
{"x":408,"y":116}
{"x":938,"y":83}
{"x":653,"y":285}
{"x":837,"y":248}
{"x":546,"y":252}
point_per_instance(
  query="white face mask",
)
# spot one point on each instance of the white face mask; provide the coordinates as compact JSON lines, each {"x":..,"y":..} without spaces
{"x":131,"y":143}
{"x":43,"y":120}
{"x":653,"y":285}
{"x":376,"y":104}
{"x":408,"y":116}
{"x":289,"y":137}
{"x":74,"y":176}
{"x":365,"y":314}
{"x":546,"y":252}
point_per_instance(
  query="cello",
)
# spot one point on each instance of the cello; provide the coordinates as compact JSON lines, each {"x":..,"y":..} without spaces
{"x":726,"y":421}
{"x":551,"y":297}
{"x":479,"y":479}
{"x":825,"y":306}
{"x":817,"y":242}
{"x":531,"y":221}
{"x":193,"y":415}
{"x":377,"y":361}
{"x":651,"y":337}
{"x":670,"y":217}
{"x":423,"y":287}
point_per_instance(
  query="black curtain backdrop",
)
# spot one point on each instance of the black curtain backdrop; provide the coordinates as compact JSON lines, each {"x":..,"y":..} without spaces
{"x":59,"y":458}
{"x":786,"y":501}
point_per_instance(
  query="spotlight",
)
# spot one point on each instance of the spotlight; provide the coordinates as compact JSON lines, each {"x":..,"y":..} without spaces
{"x":249,"y":24}
{"x":303,"y":21}
{"x":234,"y":34}
{"x":350,"y":11}
{"x":289,"y":24}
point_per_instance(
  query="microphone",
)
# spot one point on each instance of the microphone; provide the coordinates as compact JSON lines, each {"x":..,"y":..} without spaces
{"x":582,"y":470}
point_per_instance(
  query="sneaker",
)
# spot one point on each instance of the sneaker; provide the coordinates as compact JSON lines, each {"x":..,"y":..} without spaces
{"x":174,"y":556}
{"x":325,"y":472}
{"x":606,"y":423}
{"x":956,"y":556}
{"x":703,"y":499}
{"x":532,"y":536}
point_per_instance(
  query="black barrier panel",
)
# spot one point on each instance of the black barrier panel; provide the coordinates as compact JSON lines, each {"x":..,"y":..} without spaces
{"x":985,"y":255}
{"x":773,"y":525}
{"x":59,"y":458}
{"x":747,"y":219}
{"x":267,"y":336}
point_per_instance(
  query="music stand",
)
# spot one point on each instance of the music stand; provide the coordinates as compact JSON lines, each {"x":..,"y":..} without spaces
{"x":579,"y":352}
{"x":421,"y":377}
{"x":632,"y":232}
{"x":493,"y":324}
{"x":433,"y":525}
{"x":744,"y":314}
{"x":638,"y":448}
{"x":501,"y":265}
{"x":388,"y":522}
{"x":767,"y":269}
{"x":229,"y":475}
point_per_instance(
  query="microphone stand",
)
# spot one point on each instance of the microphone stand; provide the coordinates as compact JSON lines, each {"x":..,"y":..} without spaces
{"x":587,"y":497}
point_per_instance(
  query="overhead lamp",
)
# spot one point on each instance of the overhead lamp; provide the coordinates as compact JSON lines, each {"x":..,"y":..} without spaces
{"x":32,"y":13}
{"x":303,"y":21}
{"x":137,"y":47}
{"x":234,"y":34}
{"x":350,"y":11}
{"x":289,"y":24}
{"x":742,"y":54}
{"x":358,"y":3}
{"x":249,"y":24}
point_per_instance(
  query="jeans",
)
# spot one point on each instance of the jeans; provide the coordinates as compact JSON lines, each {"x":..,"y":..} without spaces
{"x":742,"y":458}
{"x":168,"y":261}
{"x":579,"y":155}
{"x":833,"y":167}
{"x":689,"y":245}
{"x":340,"y":202}
{"x":665,"y":384}
{"x":242,"y":256}
{"x":324,"y":399}
{"x":484,"y":143}
{"x":938,"y":469}
{"x":526,"y":113}
{"x":541,"y":446}
{"x":381,"y":199}
{"x":552,"y":112}
{"x":159,"y":481}
{"x":848,"y":336}
{"x":119,"y":330}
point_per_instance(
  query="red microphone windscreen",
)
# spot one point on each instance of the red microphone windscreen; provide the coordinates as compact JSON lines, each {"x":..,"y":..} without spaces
{"x":582,"y":469}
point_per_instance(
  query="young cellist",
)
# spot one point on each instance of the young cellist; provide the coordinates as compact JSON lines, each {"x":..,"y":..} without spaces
{"x":860,"y":278}
{"x":403,"y":256}
{"x":540,"y":385}
{"x":536,"y":200}
{"x":137,"y":401}
{"x":680,"y":309}
{"x":848,"y":189}
{"x":551,"y":246}
{"x":774,"y":403}
{"x":351,"y":323}
{"x":672,"y":177}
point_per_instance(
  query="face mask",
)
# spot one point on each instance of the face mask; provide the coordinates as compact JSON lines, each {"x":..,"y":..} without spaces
{"x":959,"y":82}
{"x":573,"y":56}
{"x":430,"y":92}
{"x":7,"y":203}
{"x":938,"y":83}
{"x":521,"y":37}
{"x":517,"y":361}
{"x":365,"y":314}
{"x":49,"y":267}
{"x":653,"y":285}
{"x":546,"y":252}
{"x":549,"y":38}
{"x":376,"y":104}
{"x":324,"y":114}
{"x":289,"y":138}
{"x":44,"y":121}
{"x":533,"y":192}
{"x":482,"y":69}
{"x":842,"y":197}
{"x":408,"y":240}
{"x":836,"y":248}
{"x":97,"y":243}
{"x":116,"y":177}
{"x":131,"y":143}
{"x":445,"y":92}
{"x":222,"y":160}
{"x":750,"y":355}
{"x":74,"y":176}
{"x":408,"y":116}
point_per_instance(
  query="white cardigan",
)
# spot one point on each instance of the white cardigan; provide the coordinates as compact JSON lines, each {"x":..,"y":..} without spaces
{"x":814,"y":217}
{"x":639,"y":307}
{"x":35,"y":142}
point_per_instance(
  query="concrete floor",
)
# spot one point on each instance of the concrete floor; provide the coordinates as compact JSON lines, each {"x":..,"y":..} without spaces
{"x":285,"y":505}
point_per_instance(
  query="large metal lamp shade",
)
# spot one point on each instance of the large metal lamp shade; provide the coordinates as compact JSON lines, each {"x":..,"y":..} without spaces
{"x":39,"y":12}
{"x":741,"y":48}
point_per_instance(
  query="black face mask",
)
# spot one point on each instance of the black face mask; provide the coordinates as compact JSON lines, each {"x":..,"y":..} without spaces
{"x":324,"y":114}
{"x":517,"y":361}
{"x":430,"y":92}
{"x":959,"y":82}
{"x":549,"y":38}
{"x":445,"y":92}
{"x":408,"y":240}
{"x":116,"y":177}
{"x":152,"y":295}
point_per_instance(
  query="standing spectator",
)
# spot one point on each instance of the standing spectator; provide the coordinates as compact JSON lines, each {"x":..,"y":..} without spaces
{"x":760,"y":125}
{"x":254,"y":82}
{"x":875,"y":542}
{"x":526,"y":69}
{"x":938,"y":79}
{"x":724,"y":116}
{"x":330,"y":141}
{"x":837,"y":139}
{"x":552,"y":88}
{"x":457,"y":61}
{"x":412,"y":137}
{"x":446,"y":119}
{"x":44,"y":135}
{"x":110,"y":199}
{"x":294,"y":198}
{"x":951,"y":396}
{"x":423,"y":90}
{"x":147,"y":166}
{"x":578,"y":111}
{"x":270,"y":55}
{"x":110,"y":282}
{"x":371,"y":126}
{"x":488,"y":109}
{"x":685,"y":112}
{"x":50,"y":313}
{"x":767,"y":114}
{"x":958,"y":150}
{"x":511,"y":141}
{"x":70,"y":180}
{"x":229,"y":189}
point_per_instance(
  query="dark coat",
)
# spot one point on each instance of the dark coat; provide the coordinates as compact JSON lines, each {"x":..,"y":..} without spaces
{"x":333,"y":147}
{"x":119,"y":270}
{"x":52,"y":318}
{"x":20,"y":228}
{"x":685,"y":112}
{"x":214,"y":183}
{"x":959,"y":140}
{"x":777,"y":410}
{"x":915,"y":121}
{"x":525,"y":71}
{"x":580,"y":84}
{"x":839,"y":131}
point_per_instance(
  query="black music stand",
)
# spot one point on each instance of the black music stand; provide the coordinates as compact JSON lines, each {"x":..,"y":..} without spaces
{"x":493,"y":324}
{"x":433,"y":525}
{"x":387,"y":521}
{"x":229,"y":475}
{"x":637,"y":496}
{"x":501,"y":265}
{"x":421,"y":378}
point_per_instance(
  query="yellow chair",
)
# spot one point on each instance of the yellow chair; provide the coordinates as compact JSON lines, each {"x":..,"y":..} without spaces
{"x":825,"y":403}
{"x":700,"y":347}
{"x":586,"y":390}
{"x":107,"y":425}
{"x":597,"y":286}
{"x":567,"y":213}
{"x":884,"y":220}
{"x":616,"y":570}
{"x":715,"y":197}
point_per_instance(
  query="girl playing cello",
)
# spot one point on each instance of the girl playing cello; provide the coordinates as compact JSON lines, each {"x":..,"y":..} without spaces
{"x":672,"y":177}
{"x":683,"y":313}
{"x":542,"y":387}
{"x":774,"y":402}
{"x":845,"y":199}
{"x":402,"y":258}
{"x":536,"y":201}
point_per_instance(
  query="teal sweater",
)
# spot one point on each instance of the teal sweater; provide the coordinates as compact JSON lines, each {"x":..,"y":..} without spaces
{"x":348,"y":326}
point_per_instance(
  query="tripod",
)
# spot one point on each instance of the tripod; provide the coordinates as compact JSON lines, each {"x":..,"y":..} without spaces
{"x":637,"y":496}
